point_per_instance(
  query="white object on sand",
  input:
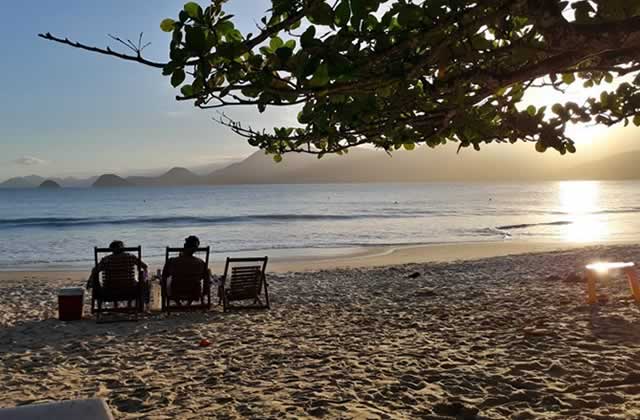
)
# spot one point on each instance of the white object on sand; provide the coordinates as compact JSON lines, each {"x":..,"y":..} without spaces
{"x":603,"y":267}
{"x":95,"y":409}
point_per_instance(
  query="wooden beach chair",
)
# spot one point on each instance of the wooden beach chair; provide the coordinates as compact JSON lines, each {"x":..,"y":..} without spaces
{"x":244,"y":280}
{"x":113,"y":292}
{"x":189,"y":289}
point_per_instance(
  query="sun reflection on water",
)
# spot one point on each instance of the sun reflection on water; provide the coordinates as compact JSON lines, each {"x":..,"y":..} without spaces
{"x":580,"y":200}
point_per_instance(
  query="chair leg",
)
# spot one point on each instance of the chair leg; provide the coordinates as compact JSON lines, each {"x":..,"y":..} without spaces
{"x":99,"y":311}
{"x":266,"y":296}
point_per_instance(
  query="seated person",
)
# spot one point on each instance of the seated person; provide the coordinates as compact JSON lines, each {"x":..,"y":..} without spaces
{"x":185,"y":274}
{"x":118,"y":268}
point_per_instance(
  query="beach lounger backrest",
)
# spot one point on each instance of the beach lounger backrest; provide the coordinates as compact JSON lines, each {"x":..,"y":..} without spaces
{"x":244,"y":279}
{"x":120,"y":270}
{"x":188,"y":274}
{"x":189,"y":281}
{"x":119,"y":282}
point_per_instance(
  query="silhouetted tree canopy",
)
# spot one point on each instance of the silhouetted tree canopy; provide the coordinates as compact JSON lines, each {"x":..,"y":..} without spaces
{"x":400,"y":73}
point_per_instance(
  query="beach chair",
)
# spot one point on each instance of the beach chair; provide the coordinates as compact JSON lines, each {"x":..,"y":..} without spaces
{"x":244,"y":280}
{"x":190,"y":288}
{"x":113,"y":293}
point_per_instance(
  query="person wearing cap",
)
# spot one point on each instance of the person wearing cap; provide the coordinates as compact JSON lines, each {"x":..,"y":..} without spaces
{"x":119,"y":268}
{"x":186,"y":272}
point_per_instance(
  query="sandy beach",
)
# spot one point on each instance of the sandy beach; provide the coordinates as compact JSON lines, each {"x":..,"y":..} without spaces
{"x":465,"y":333}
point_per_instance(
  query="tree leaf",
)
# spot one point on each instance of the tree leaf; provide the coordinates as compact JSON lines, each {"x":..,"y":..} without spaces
{"x":321,"y":13}
{"x":531,"y":110}
{"x":343,"y":13}
{"x":568,"y":78}
{"x":409,"y":146}
{"x":308,"y":36}
{"x":186,"y":90}
{"x":167,"y":25}
{"x":557,"y":109}
{"x":284,"y":54}
{"x":275,"y":43}
{"x":177,"y":78}
{"x":277,"y":158}
{"x":193,"y":9}
{"x":321,"y":76}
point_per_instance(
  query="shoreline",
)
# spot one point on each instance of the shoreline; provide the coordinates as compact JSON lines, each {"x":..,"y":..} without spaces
{"x":361,"y":257}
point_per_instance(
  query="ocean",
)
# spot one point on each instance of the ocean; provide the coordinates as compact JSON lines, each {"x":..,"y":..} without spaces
{"x":44,"y":229}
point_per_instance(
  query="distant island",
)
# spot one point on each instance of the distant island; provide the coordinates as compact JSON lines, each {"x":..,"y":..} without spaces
{"x":50,"y":185}
{"x":110,"y":181}
{"x":366,"y":165}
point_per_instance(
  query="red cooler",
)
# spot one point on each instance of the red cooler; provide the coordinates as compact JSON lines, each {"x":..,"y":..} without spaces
{"x":70,"y":303}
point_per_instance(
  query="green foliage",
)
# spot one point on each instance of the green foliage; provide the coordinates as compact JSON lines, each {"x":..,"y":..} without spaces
{"x":167,"y":25}
{"x":398,"y":73}
{"x":194,"y":11}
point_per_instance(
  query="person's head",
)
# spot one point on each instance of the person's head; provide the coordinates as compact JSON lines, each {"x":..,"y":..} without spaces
{"x":116,"y":247}
{"x":191,"y":244}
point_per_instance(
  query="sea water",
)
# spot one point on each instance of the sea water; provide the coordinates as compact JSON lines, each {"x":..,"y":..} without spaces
{"x":59,"y":228}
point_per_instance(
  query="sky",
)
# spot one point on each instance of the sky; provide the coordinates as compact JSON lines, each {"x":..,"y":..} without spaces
{"x":68,"y":112}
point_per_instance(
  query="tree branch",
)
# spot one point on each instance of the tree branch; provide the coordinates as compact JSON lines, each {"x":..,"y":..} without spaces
{"x":108,"y":51}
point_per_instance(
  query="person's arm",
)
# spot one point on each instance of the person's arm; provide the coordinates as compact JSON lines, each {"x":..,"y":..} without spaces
{"x":94,"y":277}
{"x":141,"y":264}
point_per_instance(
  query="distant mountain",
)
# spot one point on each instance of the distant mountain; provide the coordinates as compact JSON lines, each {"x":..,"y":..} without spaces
{"x":111,"y":180}
{"x":174,"y":177}
{"x":423,"y":164}
{"x":72,"y":182}
{"x":50,"y":185}
{"x":180,"y":176}
{"x":366,"y":165}
{"x":259,"y":168}
{"x":30,"y":181}
{"x":33,"y":181}
{"x":207,"y":169}
{"x":621,"y":166}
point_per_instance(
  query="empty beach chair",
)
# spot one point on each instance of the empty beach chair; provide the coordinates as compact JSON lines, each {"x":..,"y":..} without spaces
{"x":119,"y":287}
{"x":95,"y":409}
{"x":244,"y":280}
{"x":185,"y":280}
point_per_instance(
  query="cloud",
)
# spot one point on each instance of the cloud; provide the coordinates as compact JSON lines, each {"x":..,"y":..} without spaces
{"x":29,"y":161}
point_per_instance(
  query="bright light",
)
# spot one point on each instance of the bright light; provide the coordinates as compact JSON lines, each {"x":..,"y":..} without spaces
{"x":587,"y":133}
{"x":580,"y":201}
{"x":603,"y":267}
